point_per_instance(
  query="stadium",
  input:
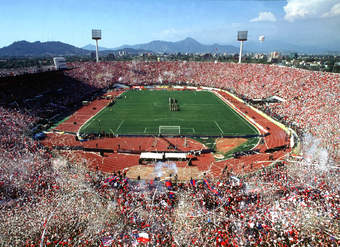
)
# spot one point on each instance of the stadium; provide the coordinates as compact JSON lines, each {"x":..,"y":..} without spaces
{"x":170,"y":154}
{"x":158,"y":123}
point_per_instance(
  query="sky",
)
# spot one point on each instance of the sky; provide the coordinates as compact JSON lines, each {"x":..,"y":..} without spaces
{"x":300,"y":22}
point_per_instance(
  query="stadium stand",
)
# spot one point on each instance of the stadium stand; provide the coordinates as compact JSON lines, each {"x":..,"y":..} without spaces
{"x":45,"y":200}
{"x":311,"y":103}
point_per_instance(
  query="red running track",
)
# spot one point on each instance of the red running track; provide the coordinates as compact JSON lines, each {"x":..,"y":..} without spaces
{"x":118,"y":161}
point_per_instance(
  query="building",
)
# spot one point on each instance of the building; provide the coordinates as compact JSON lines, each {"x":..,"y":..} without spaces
{"x":59,"y":63}
{"x":274,"y":57}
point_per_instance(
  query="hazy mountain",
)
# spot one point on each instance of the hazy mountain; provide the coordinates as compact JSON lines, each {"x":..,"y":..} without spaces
{"x":132,"y":51}
{"x":127,"y":51}
{"x":284,"y":47}
{"x":269,"y":46}
{"x":40,"y":49}
{"x":187,"y":45}
{"x":190,"y":45}
{"x":105,"y":51}
{"x":91,"y":47}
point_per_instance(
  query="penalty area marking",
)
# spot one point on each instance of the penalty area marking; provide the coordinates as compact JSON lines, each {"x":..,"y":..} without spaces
{"x":219,"y":127}
{"x":168,"y":119}
{"x":121,"y":123}
{"x":192,"y":129}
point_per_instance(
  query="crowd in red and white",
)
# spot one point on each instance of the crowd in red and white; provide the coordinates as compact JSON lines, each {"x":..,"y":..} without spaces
{"x":311,"y":98}
{"x":45,"y":199}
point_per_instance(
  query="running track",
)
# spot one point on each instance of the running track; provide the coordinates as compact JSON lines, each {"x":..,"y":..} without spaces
{"x":64,"y":135}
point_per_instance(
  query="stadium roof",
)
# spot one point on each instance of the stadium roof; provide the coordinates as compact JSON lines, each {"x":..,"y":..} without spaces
{"x":175,"y":155}
{"x":150,"y":155}
{"x":160,"y":156}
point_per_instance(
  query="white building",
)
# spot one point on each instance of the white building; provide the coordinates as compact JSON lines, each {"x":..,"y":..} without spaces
{"x":59,"y":63}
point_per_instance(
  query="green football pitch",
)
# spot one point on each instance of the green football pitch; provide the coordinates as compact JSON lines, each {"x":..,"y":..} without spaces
{"x":201,"y":113}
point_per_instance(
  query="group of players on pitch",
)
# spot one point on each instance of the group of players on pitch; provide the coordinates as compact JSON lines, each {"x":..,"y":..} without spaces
{"x":173,"y":105}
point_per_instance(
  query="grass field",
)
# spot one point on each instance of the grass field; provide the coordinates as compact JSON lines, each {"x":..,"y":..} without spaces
{"x":142,"y":112}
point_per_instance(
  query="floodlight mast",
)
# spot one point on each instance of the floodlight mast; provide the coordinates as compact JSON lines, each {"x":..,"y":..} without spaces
{"x":97,"y":35}
{"x":97,"y":56}
{"x":241,"y":36}
{"x":240,"y":55}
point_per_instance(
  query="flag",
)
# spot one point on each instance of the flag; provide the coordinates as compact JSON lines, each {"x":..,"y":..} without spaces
{"x":107,"y":241}
{"x":113,"y":181}
{"x":171,"y":195}
{"x":206,"y":182}
{"x":168,"y":184}
{"x":193,"y":182}
{"x":143,"y":237}
{"x":212,"y":189}
{"x":110,"y":179}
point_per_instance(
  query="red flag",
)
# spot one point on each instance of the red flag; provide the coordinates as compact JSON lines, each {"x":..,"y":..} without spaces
{"x":168,"y":184}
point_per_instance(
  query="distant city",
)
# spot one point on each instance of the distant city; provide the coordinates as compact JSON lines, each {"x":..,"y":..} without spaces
{"x":31,"y":57}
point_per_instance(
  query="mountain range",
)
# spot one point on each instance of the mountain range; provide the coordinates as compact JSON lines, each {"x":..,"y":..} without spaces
{"x":286,"y":48}
{"x":91,"y":47}
{"x":188,"y":45}
{"x":40,"y":49}
{"x":105,"y":51}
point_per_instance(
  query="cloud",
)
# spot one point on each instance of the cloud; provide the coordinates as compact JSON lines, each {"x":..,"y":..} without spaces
{"x":303,"y":9}
{"x":264,"y":16}
{"x":172,"y":34}
{"x":335,"y":11}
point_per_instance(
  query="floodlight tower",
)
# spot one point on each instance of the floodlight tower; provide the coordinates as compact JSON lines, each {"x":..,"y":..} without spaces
{"x":97,"y":35}
{"x":241,"y":36}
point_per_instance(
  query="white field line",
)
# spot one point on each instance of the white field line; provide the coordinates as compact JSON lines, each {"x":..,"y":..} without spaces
{"x":242,"y":115}
{"x":88,"y":120}
{"x":192,"y":129}
{"x":218,"y":126}
{"x":121,"y":123}
{"x":260,"y":112}
{"x":246,"y":117}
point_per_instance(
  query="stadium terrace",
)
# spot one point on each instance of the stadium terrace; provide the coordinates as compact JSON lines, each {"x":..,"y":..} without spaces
{"x":51,"y":195}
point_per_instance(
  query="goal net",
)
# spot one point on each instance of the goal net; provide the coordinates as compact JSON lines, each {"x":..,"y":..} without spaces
{"x":169,"y":130}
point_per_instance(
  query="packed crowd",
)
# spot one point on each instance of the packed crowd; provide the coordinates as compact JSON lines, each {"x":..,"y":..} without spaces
{"x":227,"y":212}
{"x":45,"y":199}
{"x":24,"y":70}
{"x":311,"y":98}
{"x":44,"y":96}
{"x":295,"y":205}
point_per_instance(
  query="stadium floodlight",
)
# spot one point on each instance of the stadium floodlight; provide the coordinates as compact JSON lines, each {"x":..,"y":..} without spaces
{"x":241,"y":36}
{"x":97,"y":35}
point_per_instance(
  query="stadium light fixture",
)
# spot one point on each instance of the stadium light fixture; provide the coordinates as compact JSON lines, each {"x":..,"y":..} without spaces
{"x":241,"y":36}
{"x":97,"y":35}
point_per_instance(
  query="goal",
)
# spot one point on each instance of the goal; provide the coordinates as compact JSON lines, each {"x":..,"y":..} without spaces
{"x":169,"y":130}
